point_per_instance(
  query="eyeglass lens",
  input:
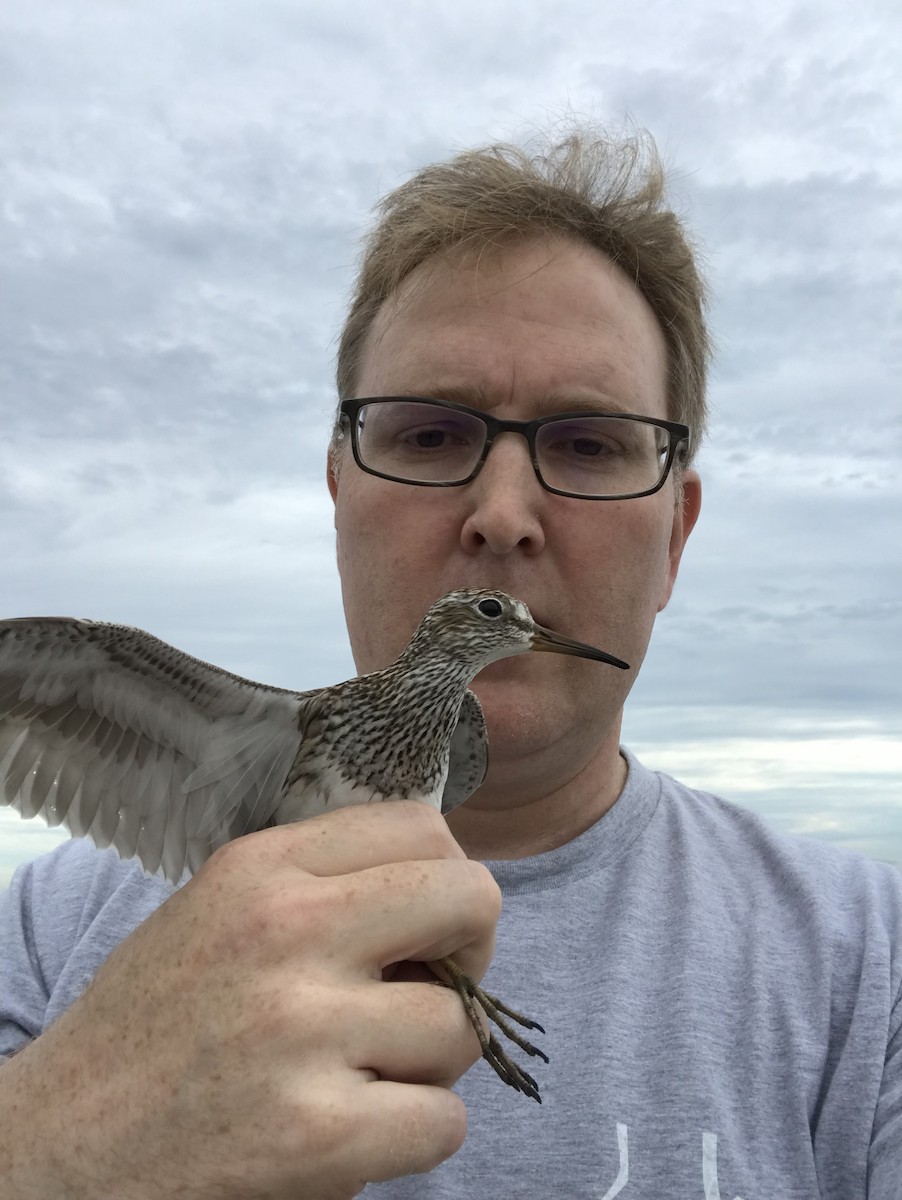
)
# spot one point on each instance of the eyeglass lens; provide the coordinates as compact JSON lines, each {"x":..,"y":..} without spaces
{"x":586,"y":455}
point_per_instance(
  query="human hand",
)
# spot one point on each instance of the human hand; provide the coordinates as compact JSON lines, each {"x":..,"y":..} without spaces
{"x":243,"y":1042}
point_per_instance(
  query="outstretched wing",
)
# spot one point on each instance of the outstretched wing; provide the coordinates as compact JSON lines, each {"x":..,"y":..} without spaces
{"x":469,"y":757}
{"x":127,"y":740}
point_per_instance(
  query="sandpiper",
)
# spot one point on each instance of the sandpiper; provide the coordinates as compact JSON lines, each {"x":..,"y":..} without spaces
{"x":126,"y":740}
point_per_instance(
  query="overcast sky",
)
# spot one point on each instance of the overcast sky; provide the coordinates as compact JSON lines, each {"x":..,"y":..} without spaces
{"x":183,"y":189}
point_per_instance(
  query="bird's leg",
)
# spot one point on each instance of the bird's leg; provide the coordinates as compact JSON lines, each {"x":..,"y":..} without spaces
{"x":472,"y":994}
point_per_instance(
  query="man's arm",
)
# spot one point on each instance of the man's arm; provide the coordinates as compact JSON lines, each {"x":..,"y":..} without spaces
{"x":242,"y":1042}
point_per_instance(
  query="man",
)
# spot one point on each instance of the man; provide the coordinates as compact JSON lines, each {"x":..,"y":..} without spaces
{"x":724,"y":1006}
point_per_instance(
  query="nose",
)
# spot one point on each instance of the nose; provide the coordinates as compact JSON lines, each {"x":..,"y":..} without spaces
{"x":505,"y":501}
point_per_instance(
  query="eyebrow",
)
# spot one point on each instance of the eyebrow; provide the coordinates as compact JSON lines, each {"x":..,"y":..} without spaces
{"x":471,"y":397}
{"x":475,"y":397}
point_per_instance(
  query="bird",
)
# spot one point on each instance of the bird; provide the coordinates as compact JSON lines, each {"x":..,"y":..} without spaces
{"x":124,"y":739}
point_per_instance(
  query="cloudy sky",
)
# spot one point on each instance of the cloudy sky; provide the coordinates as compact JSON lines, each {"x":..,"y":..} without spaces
{"x":183,"y":188}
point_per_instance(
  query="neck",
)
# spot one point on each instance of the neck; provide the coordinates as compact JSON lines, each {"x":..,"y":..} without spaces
{"x":532,"y":804}
{"x":430,"y":658}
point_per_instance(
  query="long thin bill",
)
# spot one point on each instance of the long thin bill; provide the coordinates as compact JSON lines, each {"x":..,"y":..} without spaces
{"x":556,"y":643}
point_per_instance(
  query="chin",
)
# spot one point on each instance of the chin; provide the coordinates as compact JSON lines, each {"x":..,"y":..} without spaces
{"x":515,"y":712}
{"x":526,"y":713}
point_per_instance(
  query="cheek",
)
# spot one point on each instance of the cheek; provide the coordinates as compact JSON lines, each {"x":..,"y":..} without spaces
{"x":621,"y":567}
{"x":653,"y":573}
{"x":389,"y":559}
{"x":370,"y":530}
{"x":367,"y":561}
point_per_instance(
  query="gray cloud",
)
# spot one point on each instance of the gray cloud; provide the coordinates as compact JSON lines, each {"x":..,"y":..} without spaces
{"x":183,"y":187}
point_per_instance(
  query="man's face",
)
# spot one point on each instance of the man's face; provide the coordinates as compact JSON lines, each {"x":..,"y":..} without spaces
{"x":537,"y":327}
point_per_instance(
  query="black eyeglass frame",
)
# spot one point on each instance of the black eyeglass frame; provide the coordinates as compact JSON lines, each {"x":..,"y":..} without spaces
{"x":678,"y":435}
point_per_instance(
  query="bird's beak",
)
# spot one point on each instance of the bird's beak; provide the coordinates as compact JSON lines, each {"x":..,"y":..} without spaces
{"x":556,"y":643}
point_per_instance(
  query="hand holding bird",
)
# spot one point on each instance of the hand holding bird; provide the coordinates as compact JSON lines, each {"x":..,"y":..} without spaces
{"x":139,"y":746}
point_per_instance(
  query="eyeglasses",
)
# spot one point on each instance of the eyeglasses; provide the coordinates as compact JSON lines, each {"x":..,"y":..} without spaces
{"x":588,"y":455}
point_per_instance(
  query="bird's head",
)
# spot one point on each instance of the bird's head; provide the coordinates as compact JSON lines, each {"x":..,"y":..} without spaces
{"x":478,"y":626}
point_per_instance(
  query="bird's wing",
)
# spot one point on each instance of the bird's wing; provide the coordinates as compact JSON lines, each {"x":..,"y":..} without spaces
{"x":469,"y":757}
{"x":123,"y":738}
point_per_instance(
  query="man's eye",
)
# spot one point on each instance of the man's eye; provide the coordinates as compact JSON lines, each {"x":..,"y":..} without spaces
{"x":433,"y":437}
{"x":588,"y":447}
{"x":427,"y":439}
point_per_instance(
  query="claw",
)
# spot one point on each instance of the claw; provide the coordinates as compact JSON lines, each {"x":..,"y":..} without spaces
{"x":472,"y":994}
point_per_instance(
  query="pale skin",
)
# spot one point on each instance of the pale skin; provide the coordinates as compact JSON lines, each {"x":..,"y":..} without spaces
{"x":244,"y":1042}
{"x":541,"y":327}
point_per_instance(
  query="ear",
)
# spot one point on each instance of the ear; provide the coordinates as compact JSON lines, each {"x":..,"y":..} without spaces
{"x":332,"y":473}
{"x":685,"y":514}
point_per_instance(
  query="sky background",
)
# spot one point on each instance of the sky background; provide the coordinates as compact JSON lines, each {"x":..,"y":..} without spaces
{"x":183,"y":188}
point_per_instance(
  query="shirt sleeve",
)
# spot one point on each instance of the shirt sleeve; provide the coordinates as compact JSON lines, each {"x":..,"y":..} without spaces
{"x":62,"y":915}
{"x":23,"y":990}
{"x":885,"y":1160}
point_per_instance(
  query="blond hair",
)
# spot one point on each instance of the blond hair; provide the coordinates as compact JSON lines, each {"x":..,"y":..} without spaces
{"x":607,"y":192}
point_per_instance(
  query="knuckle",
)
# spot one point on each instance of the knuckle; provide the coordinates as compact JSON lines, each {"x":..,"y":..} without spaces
{"x":257,"y":911}
{"x":227,"y":858}
{"x":301,"y":911}
{"x":431,"y":828}
{"x":486,"y":891}
{"x":249,"y":856}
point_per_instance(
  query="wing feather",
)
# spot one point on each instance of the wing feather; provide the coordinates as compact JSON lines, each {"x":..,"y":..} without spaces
{"x":23,"y":761}
{"x":119,"y":736}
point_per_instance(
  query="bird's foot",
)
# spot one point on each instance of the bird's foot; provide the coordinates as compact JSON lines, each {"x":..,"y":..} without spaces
{"x":472,"y":994}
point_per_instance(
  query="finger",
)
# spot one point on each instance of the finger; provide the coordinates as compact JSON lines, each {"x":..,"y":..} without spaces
{"x":418,"y":910}
{"x":430,"y":1124}
{"x":413,"y":1033}
{"x":397,"y":1129}
{"x":361,"y":836}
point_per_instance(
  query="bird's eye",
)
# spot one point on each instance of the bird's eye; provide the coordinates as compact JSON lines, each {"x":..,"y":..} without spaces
{"x":490,"y":608}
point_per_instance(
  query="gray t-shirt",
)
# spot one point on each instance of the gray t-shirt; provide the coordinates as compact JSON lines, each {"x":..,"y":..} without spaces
{"x":723,"y":1006}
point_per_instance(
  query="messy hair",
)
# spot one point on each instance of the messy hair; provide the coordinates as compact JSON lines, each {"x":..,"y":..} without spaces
{"x":608,"y":192}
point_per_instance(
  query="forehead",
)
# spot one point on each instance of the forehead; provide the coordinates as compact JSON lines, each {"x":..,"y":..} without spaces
{"x":536,"y":325}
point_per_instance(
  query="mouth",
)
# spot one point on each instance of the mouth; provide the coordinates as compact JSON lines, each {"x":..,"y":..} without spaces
{"x":555,"y":643}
